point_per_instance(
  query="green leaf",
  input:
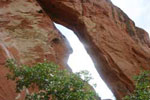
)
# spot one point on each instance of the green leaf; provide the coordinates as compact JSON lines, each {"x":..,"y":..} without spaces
{"x":51,"y":82}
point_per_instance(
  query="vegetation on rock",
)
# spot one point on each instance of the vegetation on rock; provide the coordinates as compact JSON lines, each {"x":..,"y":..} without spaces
{"x":142,"y":88}
{"x":51,"y":82}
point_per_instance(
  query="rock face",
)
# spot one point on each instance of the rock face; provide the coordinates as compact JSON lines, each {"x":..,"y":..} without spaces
{"x":118,"y":48}
{"x":28,"y":35}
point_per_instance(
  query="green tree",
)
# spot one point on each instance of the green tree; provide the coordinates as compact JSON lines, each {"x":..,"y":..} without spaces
{"x":51,"y":82}
{"x":142,"y":88}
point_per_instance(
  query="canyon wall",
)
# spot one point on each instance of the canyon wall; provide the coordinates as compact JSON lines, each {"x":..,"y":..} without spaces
{"x":118,"y":48}
{"x":27,"y":35}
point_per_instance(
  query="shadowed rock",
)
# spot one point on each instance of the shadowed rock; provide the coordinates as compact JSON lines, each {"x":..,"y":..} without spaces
{"x":118,"y":48}
{"x":28,"y":35}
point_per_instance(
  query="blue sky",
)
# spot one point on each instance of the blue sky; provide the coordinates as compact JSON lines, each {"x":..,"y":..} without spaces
{"x":137,"y":10}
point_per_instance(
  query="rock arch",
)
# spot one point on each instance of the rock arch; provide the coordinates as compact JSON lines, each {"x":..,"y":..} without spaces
{"x":117,"y":47}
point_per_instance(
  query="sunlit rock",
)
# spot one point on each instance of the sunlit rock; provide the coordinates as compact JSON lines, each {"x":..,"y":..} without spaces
{"x":118,"y":48}
{"x":28,"y":35}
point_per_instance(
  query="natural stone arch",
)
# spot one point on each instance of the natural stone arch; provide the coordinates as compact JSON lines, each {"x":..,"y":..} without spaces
{"x":104,"y":30}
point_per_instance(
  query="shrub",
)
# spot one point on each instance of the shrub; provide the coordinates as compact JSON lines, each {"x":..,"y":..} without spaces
{"x":51,"y":82}
{"x":142,"y":88}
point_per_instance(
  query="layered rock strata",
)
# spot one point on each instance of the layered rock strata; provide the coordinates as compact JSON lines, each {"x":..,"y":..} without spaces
{"x":28,"y":35}
{"x":118,"y":48}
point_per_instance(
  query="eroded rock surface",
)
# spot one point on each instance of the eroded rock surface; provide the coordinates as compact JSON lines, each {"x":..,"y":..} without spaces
{"x":28,"y":35}
{"x":118,"y":48}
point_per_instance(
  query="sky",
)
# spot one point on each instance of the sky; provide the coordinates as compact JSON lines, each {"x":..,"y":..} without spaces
{"x":137,"y":10}
{"x":79,"y":60}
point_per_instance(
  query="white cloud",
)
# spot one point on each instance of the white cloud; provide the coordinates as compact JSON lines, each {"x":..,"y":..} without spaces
{"x":137,"y":10}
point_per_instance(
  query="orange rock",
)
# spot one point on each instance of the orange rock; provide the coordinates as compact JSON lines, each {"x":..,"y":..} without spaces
{"x":27,"y":34}
{"x":118,"y":48}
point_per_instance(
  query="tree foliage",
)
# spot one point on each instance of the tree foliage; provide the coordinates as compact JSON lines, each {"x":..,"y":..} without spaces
{"x":51,"y":82}
{"x":142,"y":88}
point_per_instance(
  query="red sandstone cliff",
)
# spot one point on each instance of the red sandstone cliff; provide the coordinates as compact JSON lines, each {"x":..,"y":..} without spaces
{"x":28,"y":35}
{"x":118,"y":48}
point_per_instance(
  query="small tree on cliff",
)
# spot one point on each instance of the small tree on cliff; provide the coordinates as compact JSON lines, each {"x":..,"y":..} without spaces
{"x":142,"y":88}
{"x":51,"y":82}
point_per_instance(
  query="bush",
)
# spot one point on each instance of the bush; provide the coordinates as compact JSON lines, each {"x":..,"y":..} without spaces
{"x":51,"y":82}
{"x":142,"y":88}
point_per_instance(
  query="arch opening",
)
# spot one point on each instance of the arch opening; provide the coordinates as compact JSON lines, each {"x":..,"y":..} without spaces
{"x":80,"y":60}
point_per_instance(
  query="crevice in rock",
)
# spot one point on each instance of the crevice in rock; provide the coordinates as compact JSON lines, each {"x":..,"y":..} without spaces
{"x":80,"y":60}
